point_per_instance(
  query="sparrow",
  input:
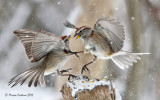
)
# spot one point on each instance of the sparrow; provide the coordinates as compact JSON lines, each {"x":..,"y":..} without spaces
{"x":46,"y":48}
{"x":105,"y":41}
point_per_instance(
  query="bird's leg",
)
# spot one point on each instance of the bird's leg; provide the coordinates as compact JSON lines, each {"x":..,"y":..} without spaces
{"x":72,"y":76}
{"x":69,"y":76}
{"x":84,"y":68}
{"x":66,"y":70}
{"x":60,"y":73}
{"x":75,"y":53}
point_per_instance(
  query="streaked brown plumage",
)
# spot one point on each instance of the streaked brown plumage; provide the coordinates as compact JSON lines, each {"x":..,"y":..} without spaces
{"x":44,"y":47}
{"x":105,"y":41}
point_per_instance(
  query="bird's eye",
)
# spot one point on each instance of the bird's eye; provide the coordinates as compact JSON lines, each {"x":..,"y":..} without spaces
{"x":81,"y":31}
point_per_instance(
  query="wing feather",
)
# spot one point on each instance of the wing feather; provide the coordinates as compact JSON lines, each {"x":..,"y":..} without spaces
{"x":38,"y":44}
{"x":113,"y":31}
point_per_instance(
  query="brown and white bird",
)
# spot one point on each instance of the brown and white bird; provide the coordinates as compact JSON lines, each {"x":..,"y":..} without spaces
{"x":44,"y":47}
{"x":105,"y":41}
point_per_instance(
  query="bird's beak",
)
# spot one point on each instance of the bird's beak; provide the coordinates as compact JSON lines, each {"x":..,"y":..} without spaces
{"x":77,"y":36}
{"x":69,"y":38}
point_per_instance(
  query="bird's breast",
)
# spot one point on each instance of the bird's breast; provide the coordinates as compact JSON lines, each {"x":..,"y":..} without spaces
{"x":55,"y":61}
{"x":99,"y":47}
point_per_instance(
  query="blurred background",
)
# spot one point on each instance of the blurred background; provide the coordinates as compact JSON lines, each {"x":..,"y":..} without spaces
{"x":141,"y":19}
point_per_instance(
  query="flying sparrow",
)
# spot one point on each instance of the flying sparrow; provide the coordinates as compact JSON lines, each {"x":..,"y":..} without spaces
{"x":50,"y":50}
{"x":105,"y":41}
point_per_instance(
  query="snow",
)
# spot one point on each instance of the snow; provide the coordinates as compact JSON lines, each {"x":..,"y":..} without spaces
{"x":132,"y":18}
{"x":82,"y":84}
{"x":25,"y":93}
{"x":58,"y":3}
{"x":116,"y":8}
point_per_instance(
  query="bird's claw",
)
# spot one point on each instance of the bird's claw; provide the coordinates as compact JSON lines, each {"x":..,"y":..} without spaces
{"x":66,"y":70}
{"x":75,"y":53}
{"x":71,"y":76}
{"x":84,"y":68}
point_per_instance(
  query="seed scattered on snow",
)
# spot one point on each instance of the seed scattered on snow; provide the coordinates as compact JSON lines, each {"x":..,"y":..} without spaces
{"x":91,"y":81}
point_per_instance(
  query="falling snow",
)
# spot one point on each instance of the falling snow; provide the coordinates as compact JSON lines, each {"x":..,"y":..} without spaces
{"x":116,"y":9}
{"x":59,"y":3}
{"x":132,"y":18}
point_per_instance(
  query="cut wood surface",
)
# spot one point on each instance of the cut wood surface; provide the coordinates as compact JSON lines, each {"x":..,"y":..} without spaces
{"x":89,"y":90}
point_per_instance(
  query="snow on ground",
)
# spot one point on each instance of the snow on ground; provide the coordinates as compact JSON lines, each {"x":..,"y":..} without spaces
{"x":82,"y":83}
{"x":26,"y":93}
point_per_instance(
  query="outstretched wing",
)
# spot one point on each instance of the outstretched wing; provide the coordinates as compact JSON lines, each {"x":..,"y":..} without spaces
{"x":113,"y":31}
{"x":37,"y":44}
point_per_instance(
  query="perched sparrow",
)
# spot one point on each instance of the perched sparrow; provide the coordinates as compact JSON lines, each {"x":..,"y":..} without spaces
{"x":47,"y":48}
{"x":105,"y":41}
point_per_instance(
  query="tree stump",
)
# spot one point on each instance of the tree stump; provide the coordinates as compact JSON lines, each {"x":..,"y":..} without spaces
{"x":83,"y":89}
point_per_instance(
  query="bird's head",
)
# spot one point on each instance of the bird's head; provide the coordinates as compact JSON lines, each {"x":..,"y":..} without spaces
{"x":83,"y":31}
{"x":66,"y":41}
{"x":66,"y":38}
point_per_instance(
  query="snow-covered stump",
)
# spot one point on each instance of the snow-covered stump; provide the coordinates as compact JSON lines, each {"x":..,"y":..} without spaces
{"x":85,"y":89}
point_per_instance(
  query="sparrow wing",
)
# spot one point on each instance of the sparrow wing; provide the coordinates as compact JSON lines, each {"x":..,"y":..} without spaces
{"x":113,"y":31}
{"x":38,"y":44}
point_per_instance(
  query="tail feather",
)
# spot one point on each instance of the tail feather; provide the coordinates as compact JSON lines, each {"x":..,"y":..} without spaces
{"x":129,"y":59}
{"x":37,"y":78}
{"x":26,"y":77}
{"x":22,"y":77}
{"x":19,"y":76}
{"x":119,"y":63}
{"x":32,"y":74}
{"x":129,"y":62}
{"x":124,"y":59}
{"x":32,"y":79}
{"x":42,"y":81}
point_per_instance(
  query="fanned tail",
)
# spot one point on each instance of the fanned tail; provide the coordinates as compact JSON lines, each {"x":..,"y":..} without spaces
{"x":34,"y":75}
{"x":124,"y":59}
